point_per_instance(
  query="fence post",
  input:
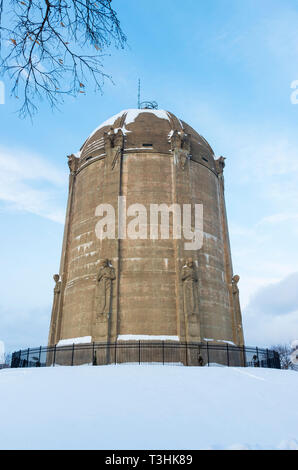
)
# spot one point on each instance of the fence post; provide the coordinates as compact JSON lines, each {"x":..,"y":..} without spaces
{"x":28,"y":352}
{"x":19,"y":358}
{"x":163,"y":353}
{"x":277,"y":360}
{"x":267,"y":352}
{"x":244,"y":357}
{"x":93,"y":347}
{"x":39,"y":364}
{"x":72,"y":354}
{"x":228,"y":357}
{"x":208,"y":353}
{"x":139,"y":352}
{"x":257,"y":351}
{"x":54,"y":360}
{"x":115,"y":352}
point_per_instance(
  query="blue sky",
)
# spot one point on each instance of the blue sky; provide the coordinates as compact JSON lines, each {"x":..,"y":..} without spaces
{"x":226,"y":68}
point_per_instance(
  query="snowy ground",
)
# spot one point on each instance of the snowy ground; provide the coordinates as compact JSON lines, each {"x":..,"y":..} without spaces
{"x":148,"y":407}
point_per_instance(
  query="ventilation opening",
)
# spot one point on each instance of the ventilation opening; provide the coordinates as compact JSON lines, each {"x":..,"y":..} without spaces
{"x":147,"y":145}
{"x":88,"y":158}
{"x":206,"y":160}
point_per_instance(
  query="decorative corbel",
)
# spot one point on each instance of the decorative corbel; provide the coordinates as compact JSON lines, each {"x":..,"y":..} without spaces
{"x":180,"y":146}
{"x":114,"y":144}
{"x":73,"y":163}
{"x":220,"y":165}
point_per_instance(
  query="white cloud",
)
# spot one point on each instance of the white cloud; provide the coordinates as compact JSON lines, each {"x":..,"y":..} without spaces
{"x":279,"y":218}
{"x":277,"y":298}
{"x":272,"y":314}
{"x":269,"y":155}
{"x":30,"y":183}
{"x":267,"y":331}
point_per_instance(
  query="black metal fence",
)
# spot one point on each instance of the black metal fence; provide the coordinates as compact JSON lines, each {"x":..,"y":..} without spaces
{"x":142,"y":352}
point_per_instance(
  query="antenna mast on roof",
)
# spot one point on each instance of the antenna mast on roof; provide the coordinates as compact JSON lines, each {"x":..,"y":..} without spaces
{"x":145,"y":104}
{"x":139,"y":95}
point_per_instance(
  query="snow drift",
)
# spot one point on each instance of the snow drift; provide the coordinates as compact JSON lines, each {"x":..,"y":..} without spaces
{"x":148,"y":407}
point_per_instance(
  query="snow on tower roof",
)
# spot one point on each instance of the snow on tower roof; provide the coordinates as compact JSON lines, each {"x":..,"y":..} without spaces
{"x":146,"y":130}
{"x":131,"y":116}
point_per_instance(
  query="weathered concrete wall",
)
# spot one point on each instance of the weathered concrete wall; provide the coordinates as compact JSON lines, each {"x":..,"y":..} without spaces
{"x":151,"y":159}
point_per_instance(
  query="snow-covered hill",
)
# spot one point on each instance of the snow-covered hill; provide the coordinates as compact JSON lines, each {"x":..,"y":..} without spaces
{"x":148,"y":407}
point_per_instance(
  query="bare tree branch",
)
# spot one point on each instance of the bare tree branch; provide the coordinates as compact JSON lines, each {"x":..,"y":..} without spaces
{"x":284,"y":351}
{"x":50,"y":48}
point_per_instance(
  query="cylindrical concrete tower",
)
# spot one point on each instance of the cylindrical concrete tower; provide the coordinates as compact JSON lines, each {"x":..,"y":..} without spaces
{"x":123,"y":277}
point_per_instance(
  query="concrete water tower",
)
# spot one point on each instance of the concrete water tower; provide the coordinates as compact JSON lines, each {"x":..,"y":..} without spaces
{"x":146,"y":285}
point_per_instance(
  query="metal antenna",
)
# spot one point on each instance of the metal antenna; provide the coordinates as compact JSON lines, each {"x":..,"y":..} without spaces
{"x":145,"y":104}
{"x":139,"y":94}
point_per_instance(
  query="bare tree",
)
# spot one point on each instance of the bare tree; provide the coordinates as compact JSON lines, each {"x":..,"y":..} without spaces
{"x":284,"y":351}
{"x":50,"y":48}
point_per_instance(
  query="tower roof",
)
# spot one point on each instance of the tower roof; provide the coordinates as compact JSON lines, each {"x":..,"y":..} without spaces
{"x":147,"y":130}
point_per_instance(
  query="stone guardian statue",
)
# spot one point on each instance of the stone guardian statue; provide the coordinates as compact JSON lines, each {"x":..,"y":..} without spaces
{"x":106,"y":276}
{"x":54,"y":318}
{"x":189,"y":278}
{"x":237,"y":308}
